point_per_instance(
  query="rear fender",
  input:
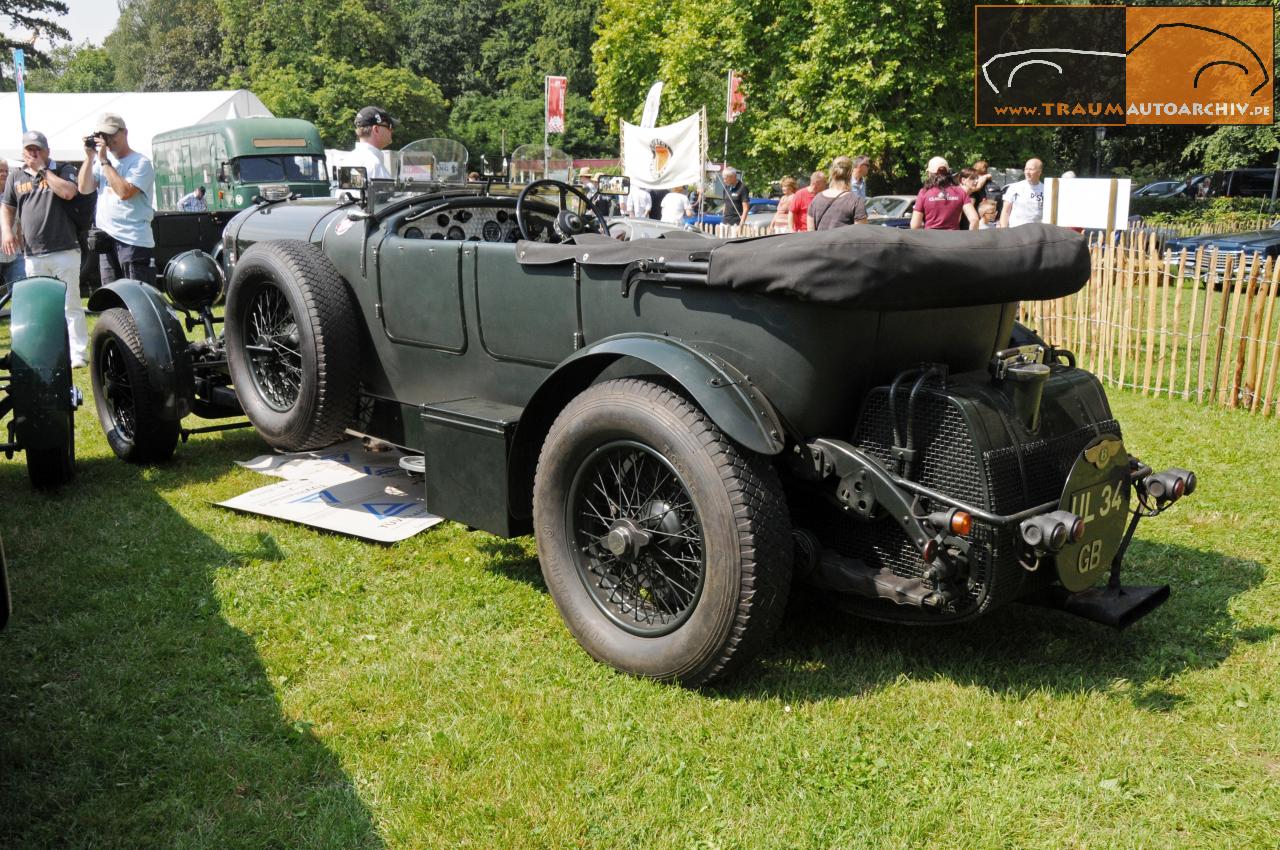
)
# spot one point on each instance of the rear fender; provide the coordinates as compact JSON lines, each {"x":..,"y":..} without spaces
{"x":737,"y":407}
{"x":163,"y":341}
{"x":40,"y":364}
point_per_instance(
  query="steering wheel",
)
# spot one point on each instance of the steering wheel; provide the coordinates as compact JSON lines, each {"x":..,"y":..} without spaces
{"x":567,"y":223}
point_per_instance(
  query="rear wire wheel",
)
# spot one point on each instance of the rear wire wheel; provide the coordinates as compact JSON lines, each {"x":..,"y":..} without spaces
{"x":128,"y":406}
{"x":665,"y":546}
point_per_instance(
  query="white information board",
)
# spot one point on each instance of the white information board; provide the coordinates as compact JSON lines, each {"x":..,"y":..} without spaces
{"x":1084,"y":201}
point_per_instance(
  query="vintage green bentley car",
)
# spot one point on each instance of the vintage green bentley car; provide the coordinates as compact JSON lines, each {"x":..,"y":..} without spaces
{"x":687,"y":426}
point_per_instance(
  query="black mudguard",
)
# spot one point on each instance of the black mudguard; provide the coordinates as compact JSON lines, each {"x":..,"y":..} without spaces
{"x":163,"y":340}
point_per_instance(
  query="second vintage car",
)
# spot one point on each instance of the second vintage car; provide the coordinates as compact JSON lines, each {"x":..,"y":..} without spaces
{"x":688,"y":426}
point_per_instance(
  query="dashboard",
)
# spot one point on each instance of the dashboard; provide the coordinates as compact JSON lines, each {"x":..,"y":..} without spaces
{"x":472,"y":220}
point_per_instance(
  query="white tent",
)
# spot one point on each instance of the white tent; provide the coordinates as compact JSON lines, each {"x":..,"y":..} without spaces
{"x":67,"y":118}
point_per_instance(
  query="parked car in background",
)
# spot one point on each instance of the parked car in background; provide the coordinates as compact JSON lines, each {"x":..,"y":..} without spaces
{"x":626,"y":228}
{"x":890,"y":210}
{"x":713,"y":211}
{"x":1247,"y":247}
{"x":1242,"y":183}
{"x":1161,"y":189}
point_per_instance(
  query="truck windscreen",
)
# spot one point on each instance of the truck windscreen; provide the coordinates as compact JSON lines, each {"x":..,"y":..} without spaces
{"x":286,"y":168}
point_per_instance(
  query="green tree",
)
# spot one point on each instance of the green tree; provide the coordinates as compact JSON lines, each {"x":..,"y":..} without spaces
{"x":480,"y":122}
{"x":167,"y":45}
{"x":32,"y":18}
{"x":74,"y":68}
{"x":893,"y":81}
{"x":443,"y":40}
{"x":328,"y":94}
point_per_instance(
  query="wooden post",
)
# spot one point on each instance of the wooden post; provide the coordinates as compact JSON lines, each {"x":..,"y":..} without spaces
{"x":1128,"y":297}
{"x":1191,"y":324}
{"x":1215,"y":388}
{"x":1235,"y":334}
{"x":1244,"y":345}
{"x":1177,"y":323}
{"x":1209,"y":283}
{"x":1157,"y":279}
{"x":1266,"y":343}
{"x":1253,"y":354}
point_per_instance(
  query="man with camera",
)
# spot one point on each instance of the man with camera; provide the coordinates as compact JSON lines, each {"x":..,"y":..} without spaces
{"x":124,"y":180}
{"x":39,"y":196}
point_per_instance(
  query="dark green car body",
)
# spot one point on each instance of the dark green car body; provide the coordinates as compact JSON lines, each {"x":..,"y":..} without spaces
{"x":689,"y":424}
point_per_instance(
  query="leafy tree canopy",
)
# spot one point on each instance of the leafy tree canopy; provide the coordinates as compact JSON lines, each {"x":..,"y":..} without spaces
{"x":28,"y":21}
{"x":166,"y":45}
{"x":75,"y":68}
{"x":480,"y":121}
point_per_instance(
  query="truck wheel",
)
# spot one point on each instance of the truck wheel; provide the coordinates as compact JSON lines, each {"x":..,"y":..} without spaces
{"x":666,"y":548}
{"x":128,"y":406}
{"x":50,"y":468}
{"x":293,"y":344}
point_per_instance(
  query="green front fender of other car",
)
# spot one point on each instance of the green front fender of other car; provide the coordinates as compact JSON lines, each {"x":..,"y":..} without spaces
{"x":738,"y":408}
{"x":163,"y":340}
{"x":40,"y":364}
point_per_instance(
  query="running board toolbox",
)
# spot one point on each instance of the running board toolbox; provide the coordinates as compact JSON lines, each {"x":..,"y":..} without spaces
{"x":466,"y":443}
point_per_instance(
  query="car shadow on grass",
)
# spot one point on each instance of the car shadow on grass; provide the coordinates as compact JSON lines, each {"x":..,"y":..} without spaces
{"x":820,"y":652}
{"x":132,"y":714}
{"x":1020,"y":649}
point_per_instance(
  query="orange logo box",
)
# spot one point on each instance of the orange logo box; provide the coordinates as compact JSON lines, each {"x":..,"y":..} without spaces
{"x":1199,"y":65}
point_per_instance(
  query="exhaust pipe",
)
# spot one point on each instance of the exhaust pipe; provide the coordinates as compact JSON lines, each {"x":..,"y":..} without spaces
{"x":1118,"y":607}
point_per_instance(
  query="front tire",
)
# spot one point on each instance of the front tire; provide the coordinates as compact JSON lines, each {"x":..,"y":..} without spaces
{"x":52,"y":467}
{"x":293,"y":344}
{"x":665,"y":546}
{"x":128,"y":406}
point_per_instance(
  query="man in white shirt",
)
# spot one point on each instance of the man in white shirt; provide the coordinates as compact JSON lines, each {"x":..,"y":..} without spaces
{"x":675,"y":206}
{"x":1024,"y":200}
{"x":373,"y":134}
{"x":638,"y":203}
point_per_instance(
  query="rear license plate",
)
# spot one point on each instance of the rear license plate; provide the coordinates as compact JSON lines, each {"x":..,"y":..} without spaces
{"x":1097,"y":491}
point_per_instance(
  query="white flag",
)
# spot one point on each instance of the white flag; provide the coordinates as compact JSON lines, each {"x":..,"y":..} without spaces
{"x":664,"y":157}
{"x":651,"y":105}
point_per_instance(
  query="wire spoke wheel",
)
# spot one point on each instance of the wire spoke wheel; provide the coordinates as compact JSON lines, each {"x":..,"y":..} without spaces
{"x":275,"y":360}
{"x":640,"y":552}
{"x":118,"y":389}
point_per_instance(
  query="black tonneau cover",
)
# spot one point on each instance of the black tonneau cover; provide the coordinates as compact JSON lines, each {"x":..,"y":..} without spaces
{"x":868,"y":266}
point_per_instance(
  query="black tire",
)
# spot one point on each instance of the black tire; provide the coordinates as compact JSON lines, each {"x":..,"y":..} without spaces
{"x":50,"y":468}
{"x":128,"y":406}
{"x":705,"y":591}
{"x":293,"y":344}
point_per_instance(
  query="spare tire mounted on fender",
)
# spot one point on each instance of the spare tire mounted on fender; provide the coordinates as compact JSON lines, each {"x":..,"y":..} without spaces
{"x":292,"y":340}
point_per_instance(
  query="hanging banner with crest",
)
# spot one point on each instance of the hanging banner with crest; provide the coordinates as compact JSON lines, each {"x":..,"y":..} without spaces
{"x":667,"y":156}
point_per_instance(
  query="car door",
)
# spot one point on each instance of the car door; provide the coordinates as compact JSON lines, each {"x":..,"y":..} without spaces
{"x":526,"y":313}
{"x":420,"y":292}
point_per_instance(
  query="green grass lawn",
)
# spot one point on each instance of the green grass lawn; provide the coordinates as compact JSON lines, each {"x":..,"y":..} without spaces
{"x":179,"y":676}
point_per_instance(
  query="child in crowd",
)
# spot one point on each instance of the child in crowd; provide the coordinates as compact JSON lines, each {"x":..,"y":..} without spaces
{"x":987,"y":215}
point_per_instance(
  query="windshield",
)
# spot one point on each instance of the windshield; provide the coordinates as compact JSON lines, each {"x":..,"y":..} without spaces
{"x":284,"y":167}
{"x":885,"y":206}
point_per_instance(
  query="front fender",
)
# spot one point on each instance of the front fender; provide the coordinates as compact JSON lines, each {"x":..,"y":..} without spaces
{"x":40,"y":364}
{"x":737,"y":407}
{"x":163,"y":342}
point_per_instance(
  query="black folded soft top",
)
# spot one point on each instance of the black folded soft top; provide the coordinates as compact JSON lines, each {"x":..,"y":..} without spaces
{"x":865,"y":266}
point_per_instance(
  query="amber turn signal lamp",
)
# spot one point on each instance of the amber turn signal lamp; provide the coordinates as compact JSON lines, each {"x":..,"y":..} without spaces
{"x":961,"y":523}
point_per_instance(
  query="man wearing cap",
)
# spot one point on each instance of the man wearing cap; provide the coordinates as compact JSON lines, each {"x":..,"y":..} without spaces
{"x":373,"y":134}
{"x":125,"y":182}
{"x":40,"y":194}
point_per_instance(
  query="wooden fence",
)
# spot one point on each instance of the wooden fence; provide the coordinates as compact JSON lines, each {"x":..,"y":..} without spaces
{"x":1200,"y":327}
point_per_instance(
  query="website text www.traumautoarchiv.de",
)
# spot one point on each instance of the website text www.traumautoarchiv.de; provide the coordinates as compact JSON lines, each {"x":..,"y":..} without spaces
{"x":1058,"y":109}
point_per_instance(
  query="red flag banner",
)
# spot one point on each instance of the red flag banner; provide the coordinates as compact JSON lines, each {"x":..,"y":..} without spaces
{"x":736,"y":102}
{"x":556,"y":87}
